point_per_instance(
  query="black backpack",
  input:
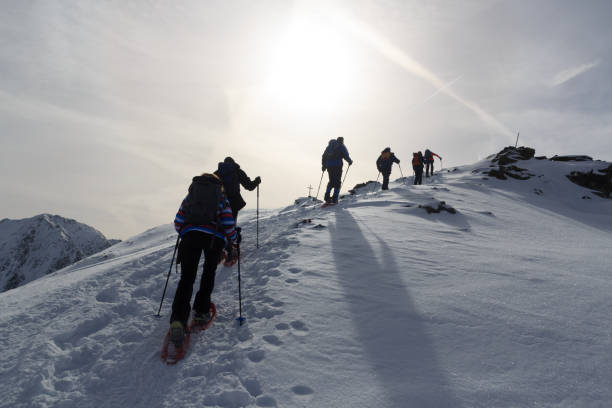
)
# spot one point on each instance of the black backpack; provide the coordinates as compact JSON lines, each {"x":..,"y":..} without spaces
{"x":228,"y":173}
{"x":202,"y":202}
{"x":332,"y":151}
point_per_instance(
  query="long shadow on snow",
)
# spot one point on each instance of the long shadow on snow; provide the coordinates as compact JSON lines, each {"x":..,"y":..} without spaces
{"x":387,"y":323}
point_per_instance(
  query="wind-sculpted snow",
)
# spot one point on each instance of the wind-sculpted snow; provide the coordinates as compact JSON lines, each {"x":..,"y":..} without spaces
{"x":375,"y":302}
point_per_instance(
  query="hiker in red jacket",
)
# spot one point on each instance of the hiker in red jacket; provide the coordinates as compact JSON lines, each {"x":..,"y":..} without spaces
{"x":429,"y":162}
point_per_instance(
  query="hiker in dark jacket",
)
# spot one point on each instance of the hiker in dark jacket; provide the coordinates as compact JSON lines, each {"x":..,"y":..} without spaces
{"x":384,"y":163}
{"x":211,"y":238}
{"x":417,"y":166}
{"x":429,"y":162}
{"x":233,"y":176}
{"x":332,"y":162}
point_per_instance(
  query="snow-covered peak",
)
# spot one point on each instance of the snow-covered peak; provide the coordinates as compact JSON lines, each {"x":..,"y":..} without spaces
{"x":34,"y":247}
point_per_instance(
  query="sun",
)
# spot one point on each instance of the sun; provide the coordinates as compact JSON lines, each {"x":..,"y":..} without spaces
{"x":311,"y":68}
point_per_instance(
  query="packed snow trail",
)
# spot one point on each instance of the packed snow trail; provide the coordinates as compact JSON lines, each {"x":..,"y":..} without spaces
{"x":375,"y":302}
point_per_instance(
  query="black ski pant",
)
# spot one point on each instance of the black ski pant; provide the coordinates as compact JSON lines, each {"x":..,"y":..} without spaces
{"x":418,"y":174}
{"x":335,"y":180}
{"x":190,"y":249}
{"x":385,"y":185}
{"x":429,"y":168}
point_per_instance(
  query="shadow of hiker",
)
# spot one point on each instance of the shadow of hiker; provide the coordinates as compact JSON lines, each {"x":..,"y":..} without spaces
{"x":388,"y":325}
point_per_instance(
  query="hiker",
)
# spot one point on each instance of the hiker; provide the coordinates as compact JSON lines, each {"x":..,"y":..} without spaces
{"x":417,"y":166}
{"x":332,"y":162}
{"x":232,"y":177}
{"x":384,"y":163}
{"x":205,"y":223}
{"x":429,"y":162}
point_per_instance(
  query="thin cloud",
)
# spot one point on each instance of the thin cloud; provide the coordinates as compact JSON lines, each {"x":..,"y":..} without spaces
{"x":571,"y":73}
{"x":399,"y":57}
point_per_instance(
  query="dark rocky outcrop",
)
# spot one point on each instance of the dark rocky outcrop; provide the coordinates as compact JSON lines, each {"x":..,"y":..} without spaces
{"x":441,"y":206}
{"x":513,"y":154}
{"x":353,"y":191}
{"x":600,"y":182}
{"x":574,"y":158}
{"x":503,"y":172}
{"x":505,"y":167}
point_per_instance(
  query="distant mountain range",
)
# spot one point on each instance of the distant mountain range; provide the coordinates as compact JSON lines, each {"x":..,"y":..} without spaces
{"x":34,"y":247}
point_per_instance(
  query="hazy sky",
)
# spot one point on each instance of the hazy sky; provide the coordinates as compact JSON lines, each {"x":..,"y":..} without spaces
{"x":107,"y":109}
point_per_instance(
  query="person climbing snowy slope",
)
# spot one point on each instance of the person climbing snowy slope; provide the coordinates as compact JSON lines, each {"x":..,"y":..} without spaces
{"x":332,"y":162}
{"x":232,"y":177}
{"x":204,"y":222}
{"x":384,"y":163}
{"x":429,"y":162}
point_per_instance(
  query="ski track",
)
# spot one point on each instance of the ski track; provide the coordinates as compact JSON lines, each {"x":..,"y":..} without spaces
{"x":74,"y":348}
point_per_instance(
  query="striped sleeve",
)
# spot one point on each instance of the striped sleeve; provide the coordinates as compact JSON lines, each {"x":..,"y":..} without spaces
{"x":227,"y":220}
{"x":179,"y":219}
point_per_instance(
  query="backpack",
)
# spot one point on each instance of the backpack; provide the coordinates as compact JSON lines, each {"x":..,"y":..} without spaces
{"x":332,"y":151}
{"x":202,"y":203}
{"x":228,"y":173}
{"x":428,"y":155}
{"x":416,"y":160}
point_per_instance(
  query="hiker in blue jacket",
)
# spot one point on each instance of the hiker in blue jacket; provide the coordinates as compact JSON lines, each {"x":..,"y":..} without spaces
{"x":332,"y":162}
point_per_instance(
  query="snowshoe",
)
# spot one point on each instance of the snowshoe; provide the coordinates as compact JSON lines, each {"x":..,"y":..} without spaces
{"x":202,"y":321}
{"x":175,"y":344}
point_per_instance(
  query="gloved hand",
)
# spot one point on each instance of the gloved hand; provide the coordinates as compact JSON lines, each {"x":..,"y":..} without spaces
{"x":231,"y":256}
{"x":350,"y":163}
{"x":257,"y":180}
{"x":323,"y":168}
{"x":398,"y":161}
{"x":238,"y":235}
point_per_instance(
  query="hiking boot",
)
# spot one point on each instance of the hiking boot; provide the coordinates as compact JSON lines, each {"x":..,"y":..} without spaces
{"x":177,"y":333}
{"x":201,"y":318}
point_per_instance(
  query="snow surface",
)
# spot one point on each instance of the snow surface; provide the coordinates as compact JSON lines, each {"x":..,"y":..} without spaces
{"x":375,"y":303}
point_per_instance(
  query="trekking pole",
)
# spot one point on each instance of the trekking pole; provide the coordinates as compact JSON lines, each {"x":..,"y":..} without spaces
{"x":347,"y":169}
{"x":168,"y":278}
{"x":257,"y":219}
{"x":402,"y":173}
{"x":239,"y":318}
{"x":320,"y":181}
{"x":374,"y":188}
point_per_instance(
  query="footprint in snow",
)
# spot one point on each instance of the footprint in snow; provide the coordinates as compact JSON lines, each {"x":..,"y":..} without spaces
{"x":291,"y":280}
{"x":252,"y":386}
{"x":109,"y":295}
{"x":256,"y":356}
{"x":295,"y":270}
{"x":282,"y":326}
{"x":298,"y":325}
{"x":302,"y":390}
{"x":265,"y":401}
{"x":273,"y":340}
{"x":274,"y":272}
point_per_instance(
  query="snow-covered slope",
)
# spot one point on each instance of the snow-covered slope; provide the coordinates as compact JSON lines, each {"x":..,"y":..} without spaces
{"x":373,"y":303}
{"x":34,"y":247}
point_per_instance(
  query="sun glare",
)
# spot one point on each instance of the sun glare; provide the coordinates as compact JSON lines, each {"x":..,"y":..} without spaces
{"x":311,"y":68}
